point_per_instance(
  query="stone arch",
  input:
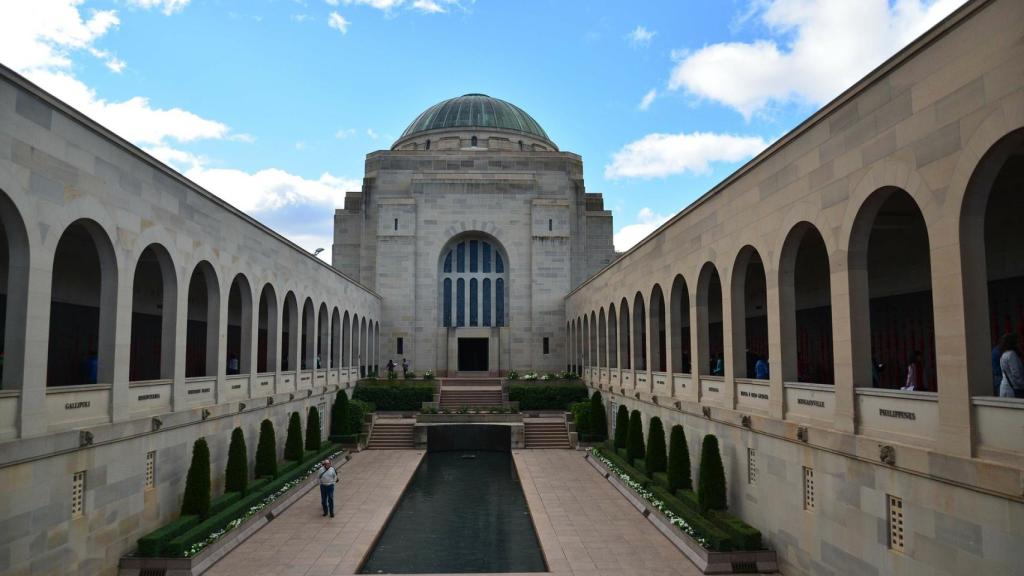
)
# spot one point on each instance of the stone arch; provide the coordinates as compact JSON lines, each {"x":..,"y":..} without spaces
{"x":659,"y":337}
{"x":473,"y":281}
{"x":805,"y":298}
{"x":267,"y":347}
{"x":239,"y":332}
{"x":625,"y":334}
{"x":679,"y":324}
{"x":307,"y":353}
{"x":83,"y":301}
{"x":290,"y":333}
{"x":749,"y":306}
{"x":335,"y":338}
{"x":154,"y":315}
{"x":346,"y":340}
{"x":710,"y":356}
{"x":602,"y":340}
{"x":613,"y":337}
{"x":203,"y":320}
{"x":17,"y":258}
{"x":323,"y":337}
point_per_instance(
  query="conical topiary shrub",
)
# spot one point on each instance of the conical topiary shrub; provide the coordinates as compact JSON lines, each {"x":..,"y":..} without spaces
{"x":635,"y":438}
{"x":266,"y":451}
{"x":598,"y":419}
{"x":339,"y":414}
{"x":711,"y":482}
{"x":293,"y":441}
{"x":197,"y":484}
{"x":621,"y":427}
{"x":236,"y":474}
{"x":678,"y":461}
{"x":655,"y":459}
{"x":313,"y":430}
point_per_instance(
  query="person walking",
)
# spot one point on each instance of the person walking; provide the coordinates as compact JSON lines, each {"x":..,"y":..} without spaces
{"x":1013,"y":371}
{"x":328,"y":478}
{"x":405,"y":368}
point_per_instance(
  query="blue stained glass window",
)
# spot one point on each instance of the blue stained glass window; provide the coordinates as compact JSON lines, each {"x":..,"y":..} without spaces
{"x":487,"y":301}
{"x":499,"y":266}
{"x":487,"y":256}
{"x":447,"y":301}
{"x":474,"y":310}
{"x":460,"y":302}
{"x":448,"y":261}
{"x":499,"y":300}
{"x":460,"y":257}
{"x":472,"y":255}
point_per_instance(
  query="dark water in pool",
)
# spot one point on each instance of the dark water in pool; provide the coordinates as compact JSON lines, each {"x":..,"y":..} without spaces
{"x":459,"y":515}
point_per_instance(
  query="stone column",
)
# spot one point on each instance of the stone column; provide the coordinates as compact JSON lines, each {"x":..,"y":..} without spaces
{"x":781,"y":339}
{"x":120,"y":399}
{"x":35,"y":334}
{"x":851,"y":338}
{"x":734,"y":336}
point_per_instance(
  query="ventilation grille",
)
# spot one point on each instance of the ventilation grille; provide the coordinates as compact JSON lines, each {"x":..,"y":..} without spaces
{"x":150,"y":469}
{"x":78,"y":494}
{"x":896,"y":523}
{"x":751,"y":466}
{"x":808,"y":488}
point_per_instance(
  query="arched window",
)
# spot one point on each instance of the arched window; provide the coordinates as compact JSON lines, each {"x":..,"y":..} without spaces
{"x":520,"y":145}
{"x":478,"y":278}
{"x":427,"y":147}
{"x":472,"y":141}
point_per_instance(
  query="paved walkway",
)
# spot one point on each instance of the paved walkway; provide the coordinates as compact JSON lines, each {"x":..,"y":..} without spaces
{"x":586,"y":527}
{"x":301,"y":542}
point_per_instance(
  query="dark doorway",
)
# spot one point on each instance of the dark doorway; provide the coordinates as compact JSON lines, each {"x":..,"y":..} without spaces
{"x":473,"y":354}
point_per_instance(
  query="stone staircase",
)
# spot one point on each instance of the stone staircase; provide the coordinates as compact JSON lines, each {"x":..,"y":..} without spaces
{"x":544,"y":432}
{"x":475,"y":392}
{"x":392,"y":434}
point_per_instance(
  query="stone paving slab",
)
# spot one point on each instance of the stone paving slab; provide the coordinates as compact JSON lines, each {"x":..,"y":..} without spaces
{"x":586,"y":527}
{"x":301,"y":542}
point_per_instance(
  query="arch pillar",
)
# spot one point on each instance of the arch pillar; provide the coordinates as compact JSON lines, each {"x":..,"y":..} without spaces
{"x":733,"y":337}
{"x":33,"y":417}
{"x":119,"y":395}
{"x":779,"y":354}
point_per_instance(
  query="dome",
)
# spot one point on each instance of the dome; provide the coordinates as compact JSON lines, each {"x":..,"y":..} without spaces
{"x":475,"y":111}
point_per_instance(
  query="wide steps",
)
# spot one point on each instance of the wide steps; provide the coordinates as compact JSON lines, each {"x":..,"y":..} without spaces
{"x":391,"y":436}
{"x":457,"y":397}
{"x":547,"y":434}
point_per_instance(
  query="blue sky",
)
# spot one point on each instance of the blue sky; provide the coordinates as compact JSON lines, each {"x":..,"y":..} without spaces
{"x":273,"y":104}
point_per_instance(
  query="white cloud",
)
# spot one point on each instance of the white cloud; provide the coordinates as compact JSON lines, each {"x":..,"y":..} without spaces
{"x":641,"y":36}
{"x":300,"y":145}
{"x":271,"y":188}
{"x":384,"y":5}
{"x":115,"y":65}
{"x":648,"y":99}
{"x":389,"y":6}
{"x":428,"y":6}
{"x":300,"y":18}
{"x":344,"y":133}
{"x":44,"y":33}
{"x":660,"y":155}
{"x":338,"y":22}
{"x":372,"y":134}
{"x":168,"y":7}
{"x":628,"y":236}
{"x":825,"y":47}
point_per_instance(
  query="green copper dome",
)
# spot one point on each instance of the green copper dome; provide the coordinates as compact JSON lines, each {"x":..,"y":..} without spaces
{"x":475,"y":111}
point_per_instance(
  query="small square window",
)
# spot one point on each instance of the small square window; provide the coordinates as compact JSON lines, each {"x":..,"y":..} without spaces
{"x":550,"y":224}
{"x":150,"y":469}
{"x":808,"y":488}
{"x":400,"y":346}
{"x":751,"y":466}
{"x":78,"y":494}
{"x":895,"y":523}
{"x":547,"y":344}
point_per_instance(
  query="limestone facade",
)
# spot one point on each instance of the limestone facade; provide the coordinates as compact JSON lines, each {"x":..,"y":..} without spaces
{"x":903,"y":163}
{"x":100,"y":239}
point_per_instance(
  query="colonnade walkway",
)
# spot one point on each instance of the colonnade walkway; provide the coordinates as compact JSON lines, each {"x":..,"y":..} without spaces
{"x":585,"y":527}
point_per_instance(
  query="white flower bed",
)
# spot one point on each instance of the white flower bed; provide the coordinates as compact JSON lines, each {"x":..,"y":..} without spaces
{"x":254,"y":509}
{"x":650,"y":497}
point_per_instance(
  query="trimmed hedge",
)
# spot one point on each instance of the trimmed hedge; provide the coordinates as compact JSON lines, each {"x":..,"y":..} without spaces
{"x":717,"y":538}
{"x":339,"y":415}
{"x":357,"y":411}
{"x":293,"y":441}
{"x":197,"y":484}
{"x":621,"y":427}
{"x":628,"y":468}
{"x":313,"y":430}
{"x":554,"y":395}
{"x":266,"y":451}
{"x":745,"y":536}
{"x":598,"y":418}
{"x":635,"y":437}
{"x":581,"y":416}
{"x":236,"y":473}
{"x":711,"y":482}
{"x":656,"y":460}
{"x":196,"y":531}
{"x":402,"y":395}
{"x":678,"y":461}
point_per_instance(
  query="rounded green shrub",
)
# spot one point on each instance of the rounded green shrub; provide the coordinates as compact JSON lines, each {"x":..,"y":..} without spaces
{"x":266,"y":451}
{"x":635,"y":438}
{"x":197,"y":484}
{"x":293,"y":441}
{"x":339,"y":415}
{"x":236,"y":474}
{"x":581,"y":417}
{"x":313,"y":430}
{"x":655,"y":459}
{"x":711,"y":481}
{"x":598,"y":418}
{"x":678,"y":461}
{"x":621,"y":427}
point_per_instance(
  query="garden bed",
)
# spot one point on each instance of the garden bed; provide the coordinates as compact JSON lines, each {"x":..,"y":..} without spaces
{"x":189,"y":545}
{"x":395,"y":395}
{"x":699,"y":538}
{"x":546,"y":394}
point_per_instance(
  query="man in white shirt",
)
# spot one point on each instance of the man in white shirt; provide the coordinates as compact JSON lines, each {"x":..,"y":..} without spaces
{"x":328,"y":478}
